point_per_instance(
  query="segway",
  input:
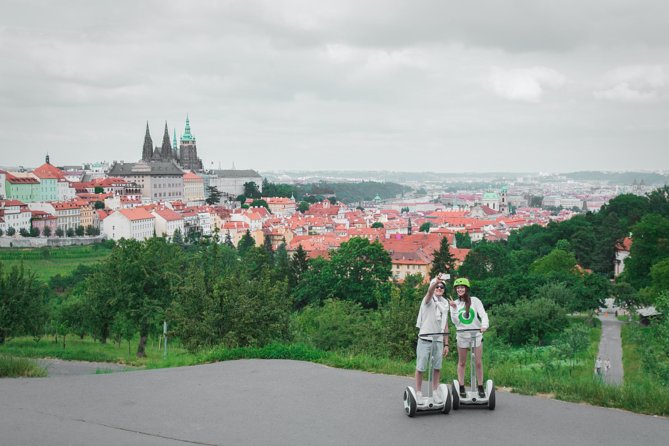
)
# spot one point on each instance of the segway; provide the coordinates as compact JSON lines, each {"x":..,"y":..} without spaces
{"x":427,"y":404}
{"x":473,"y":398}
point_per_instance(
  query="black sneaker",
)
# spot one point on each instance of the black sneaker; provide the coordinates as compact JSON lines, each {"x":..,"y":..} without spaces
{"x":463,"y":394}
{"x":481,"y":392}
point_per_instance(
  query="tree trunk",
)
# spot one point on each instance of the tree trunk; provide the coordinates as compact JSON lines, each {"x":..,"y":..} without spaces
{"x":143,"y":336}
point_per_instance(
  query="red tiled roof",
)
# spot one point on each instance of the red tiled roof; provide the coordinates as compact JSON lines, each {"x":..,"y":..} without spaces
{"x":47,"y":171}
{"x":136,"y":214}
{"x":168,"y":214}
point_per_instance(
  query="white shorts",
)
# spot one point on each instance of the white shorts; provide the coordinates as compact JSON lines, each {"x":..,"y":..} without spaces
{"x":423,"y":354}
{"x":465,"y":339}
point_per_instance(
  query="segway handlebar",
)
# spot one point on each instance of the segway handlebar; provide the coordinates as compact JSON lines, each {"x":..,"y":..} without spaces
{"x":468,"y":329}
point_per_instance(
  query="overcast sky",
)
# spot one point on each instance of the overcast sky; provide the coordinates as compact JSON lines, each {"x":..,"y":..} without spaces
{"x":438,"y":85}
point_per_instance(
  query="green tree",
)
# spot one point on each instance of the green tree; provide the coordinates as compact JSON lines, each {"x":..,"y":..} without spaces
{"x":556,"y":261}
{"x":69,"y":232}
{"x":377,"y":224}
{"x":46,"y":232}
{"x":99,"y":205}
{"x":442,"y":259}
{"x":228,"y":239}
{"x":24,"y":232}
{"x":299,"y":264}
{"x":80,"y":231}
{"x":11,"y":231}
{"x":99,"y":190}
{"x":650,"y":244}
{"x":213,"y":196}
{"x":251,"y":190}
{"x":23,"y":309}
{"x":59,"y":232}
{"x":658,"y":201}
{"x":360,"y":269}
{"x":463,"y":240}
{"x":659,"y":274}
{"x":487,"y":260}
{"x":425,"y":227}
{"x":303,"y":207}
{"x":260,"y":203}
{"x":34,"y":231}
{"x":245,"y":243}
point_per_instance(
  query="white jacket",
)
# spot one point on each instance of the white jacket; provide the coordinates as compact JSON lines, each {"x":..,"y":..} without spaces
{"x":477,"y":318}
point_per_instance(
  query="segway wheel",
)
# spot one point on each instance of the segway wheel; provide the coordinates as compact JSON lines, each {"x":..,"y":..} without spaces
{"x":447,"y":404}
{"x":456,"y":398}
{"x":491,"y":399}
{"x":409,"y":403}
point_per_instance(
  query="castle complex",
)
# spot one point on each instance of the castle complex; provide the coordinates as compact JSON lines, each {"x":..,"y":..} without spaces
{"x":185,"y":154}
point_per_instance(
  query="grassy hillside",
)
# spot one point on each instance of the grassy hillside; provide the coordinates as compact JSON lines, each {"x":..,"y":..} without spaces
{"x":47,"y":262}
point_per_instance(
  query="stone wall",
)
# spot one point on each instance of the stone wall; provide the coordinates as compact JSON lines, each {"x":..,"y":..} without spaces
{"x":38,"y":242}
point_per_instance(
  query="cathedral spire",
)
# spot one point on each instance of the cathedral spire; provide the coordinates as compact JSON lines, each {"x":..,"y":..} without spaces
{"x":187,"y":135}
{"x":147,"y":151}
{"x":175,"y":151}
{"x":47,"y":159}
{"x":166,"y":149}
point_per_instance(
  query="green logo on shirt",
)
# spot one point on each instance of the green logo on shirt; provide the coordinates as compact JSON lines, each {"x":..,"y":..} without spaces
{"x":466,"y":320}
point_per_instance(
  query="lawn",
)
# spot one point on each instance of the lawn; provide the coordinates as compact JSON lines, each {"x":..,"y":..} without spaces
{"x":47,"y":262}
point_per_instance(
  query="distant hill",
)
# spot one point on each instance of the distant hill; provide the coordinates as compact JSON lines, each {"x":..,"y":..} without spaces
{"x":621,"y":178}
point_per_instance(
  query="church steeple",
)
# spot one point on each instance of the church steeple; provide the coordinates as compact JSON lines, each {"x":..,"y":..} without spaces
{"x":47,"y":159}
{"x":187,"y":135}
{"x":175,"y":150}
{"x":166,"y":149}
{"x":147,"y":151}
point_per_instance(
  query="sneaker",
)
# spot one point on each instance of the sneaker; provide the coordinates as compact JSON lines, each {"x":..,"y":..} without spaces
{"x":420,"y":399}
{"x":463,"y":393}
{"x":437,"y":398}
{"x":481,"y":392}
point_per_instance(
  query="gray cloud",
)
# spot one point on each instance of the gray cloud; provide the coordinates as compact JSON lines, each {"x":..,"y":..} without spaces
{"x":516,"y":85}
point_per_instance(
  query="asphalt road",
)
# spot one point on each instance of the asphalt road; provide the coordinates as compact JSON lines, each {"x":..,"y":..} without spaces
{"x":610,"y":347}
{"x":263,"y":402}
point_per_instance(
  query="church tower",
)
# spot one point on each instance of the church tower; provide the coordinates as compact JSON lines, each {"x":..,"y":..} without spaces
{"x":166,"y":149}
{"x":147,"y":151}
{"x":188,"y":150}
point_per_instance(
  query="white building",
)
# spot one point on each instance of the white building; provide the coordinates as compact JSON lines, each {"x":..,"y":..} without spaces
{"x":136,"y":223}
{"x":14,"y":214}
{"x":232,"y":181}
{"x":193,"y":189}
{"x":167,"y":222}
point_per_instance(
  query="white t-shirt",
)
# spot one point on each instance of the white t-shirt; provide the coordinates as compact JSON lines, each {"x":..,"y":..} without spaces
{"x":432,"y":316}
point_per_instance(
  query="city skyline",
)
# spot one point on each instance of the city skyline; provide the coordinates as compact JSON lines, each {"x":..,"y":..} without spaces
{"x":518,"y":86}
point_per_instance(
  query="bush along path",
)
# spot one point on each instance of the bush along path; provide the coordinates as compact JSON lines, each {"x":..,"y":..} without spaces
{"x":610,"y":348}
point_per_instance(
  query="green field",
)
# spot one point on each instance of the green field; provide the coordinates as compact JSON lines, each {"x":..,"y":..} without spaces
{"x":47,"y":262}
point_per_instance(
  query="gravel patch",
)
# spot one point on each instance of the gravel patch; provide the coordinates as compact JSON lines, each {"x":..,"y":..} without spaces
{"x":59,"y":367}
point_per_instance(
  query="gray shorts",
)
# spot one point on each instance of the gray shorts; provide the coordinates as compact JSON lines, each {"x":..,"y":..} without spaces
{"x":423,"y":354}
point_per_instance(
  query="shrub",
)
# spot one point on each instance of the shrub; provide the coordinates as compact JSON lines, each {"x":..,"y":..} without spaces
{"x":528,"y":321}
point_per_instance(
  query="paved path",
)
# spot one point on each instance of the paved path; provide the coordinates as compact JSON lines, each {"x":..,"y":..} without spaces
{"x":280,"y":402}
{"x":610,"y":347}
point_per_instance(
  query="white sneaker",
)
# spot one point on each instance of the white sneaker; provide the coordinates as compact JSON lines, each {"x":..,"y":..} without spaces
{"x":420,"y":399}
{"x":437,"y":397}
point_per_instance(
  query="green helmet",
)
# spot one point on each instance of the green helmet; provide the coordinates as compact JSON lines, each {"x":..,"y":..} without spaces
{"x":461,"y":281}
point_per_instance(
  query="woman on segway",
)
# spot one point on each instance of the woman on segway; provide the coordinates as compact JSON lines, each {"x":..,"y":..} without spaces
{"x":467,"y":312}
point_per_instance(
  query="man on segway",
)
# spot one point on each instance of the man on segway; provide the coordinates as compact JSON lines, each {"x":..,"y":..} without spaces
{"x":432,"y":319}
